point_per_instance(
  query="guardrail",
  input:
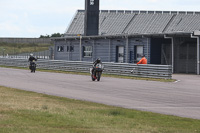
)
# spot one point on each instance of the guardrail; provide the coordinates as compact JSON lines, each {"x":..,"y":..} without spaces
{"x":126,"y":69}
{"x":42,"y":54}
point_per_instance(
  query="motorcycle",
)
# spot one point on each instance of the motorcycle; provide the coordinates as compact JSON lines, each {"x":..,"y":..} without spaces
{"x":33,"y":66}
{"x":96,"y":72}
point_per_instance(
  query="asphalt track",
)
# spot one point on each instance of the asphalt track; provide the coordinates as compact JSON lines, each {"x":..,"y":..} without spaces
{"x":180,"y":98}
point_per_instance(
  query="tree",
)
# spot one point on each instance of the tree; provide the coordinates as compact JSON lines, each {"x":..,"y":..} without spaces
{"x":56,"y":35}
{"x":52,"y":35}
{"x":44,"y":36}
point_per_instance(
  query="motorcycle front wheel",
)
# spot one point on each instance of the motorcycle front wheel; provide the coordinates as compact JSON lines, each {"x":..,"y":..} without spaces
{"x":98,"y":76}
{"x":93,"y":79}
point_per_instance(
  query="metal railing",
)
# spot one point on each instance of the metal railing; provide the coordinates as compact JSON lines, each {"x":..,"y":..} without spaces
{"x":42,"y":55}
{"x":126,"y":69}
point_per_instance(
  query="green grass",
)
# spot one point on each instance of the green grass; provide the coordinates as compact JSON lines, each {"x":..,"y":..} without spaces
{"x":14,"y":48}
{"x":29,"y":112}
{"x":103,"y":75}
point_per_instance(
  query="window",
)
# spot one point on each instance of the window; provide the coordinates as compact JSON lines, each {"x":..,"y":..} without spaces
{"x":91,"y":2}
{"x":70,"y":48}
{"x":87,"y":51}
{"x":60,"y":48}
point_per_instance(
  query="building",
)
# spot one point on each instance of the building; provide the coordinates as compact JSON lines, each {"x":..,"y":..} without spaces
{"x":164,"y":37}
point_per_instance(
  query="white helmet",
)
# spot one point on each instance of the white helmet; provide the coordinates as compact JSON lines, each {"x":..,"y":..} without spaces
{"x":31,"y":54}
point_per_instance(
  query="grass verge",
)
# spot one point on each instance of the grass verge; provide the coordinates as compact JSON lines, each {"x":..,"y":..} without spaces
{"x":14,"y":48}
{"x":29,"y":112}
{"x":104,"y":75}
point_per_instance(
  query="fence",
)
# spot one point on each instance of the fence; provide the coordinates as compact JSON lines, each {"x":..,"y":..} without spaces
{"x":126,"y":69}
{"x":42,"y":55}
{"x":47,"y":54}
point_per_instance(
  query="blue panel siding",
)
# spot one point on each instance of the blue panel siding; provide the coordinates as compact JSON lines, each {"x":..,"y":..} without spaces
{"x":74,"y":56}
{"x":114,"y":44}
{"x":145,"y":42}
{"x":60,"y":55}
{"x":102,"y":48}
{"x":87,"y":43}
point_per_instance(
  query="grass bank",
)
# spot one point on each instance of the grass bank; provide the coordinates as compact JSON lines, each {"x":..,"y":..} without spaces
{"x":29,"y":112}
{"x":14,"y":48}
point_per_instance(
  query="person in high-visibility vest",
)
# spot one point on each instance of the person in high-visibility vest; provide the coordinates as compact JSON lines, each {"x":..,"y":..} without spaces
{"x":143,"y":60}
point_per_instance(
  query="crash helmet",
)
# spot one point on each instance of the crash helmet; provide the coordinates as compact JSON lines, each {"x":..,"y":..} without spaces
{"x":31,"y":54}
{"x":98,"y":60}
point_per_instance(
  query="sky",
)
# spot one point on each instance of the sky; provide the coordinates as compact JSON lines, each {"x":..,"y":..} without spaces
{"x":32,"y":18}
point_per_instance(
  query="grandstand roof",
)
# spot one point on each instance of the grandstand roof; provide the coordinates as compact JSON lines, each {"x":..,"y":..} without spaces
{"x":117,"y":22}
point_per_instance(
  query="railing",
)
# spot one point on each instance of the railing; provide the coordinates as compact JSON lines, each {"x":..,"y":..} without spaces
{"x":126,"y":69}
{"x":42,"y":55}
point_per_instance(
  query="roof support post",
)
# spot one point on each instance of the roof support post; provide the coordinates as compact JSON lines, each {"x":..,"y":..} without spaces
{"x":172,"y":41}
{"x":148,"y":60}
{"x":80,"y":52}
{"x":127,"y":41}
{"x":69,"y":50}
{"x":198,"y":55}
{"x":93,"y":51}
{"x":109,"y":50}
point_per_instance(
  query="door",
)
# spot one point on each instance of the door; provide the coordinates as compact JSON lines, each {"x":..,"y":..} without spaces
{"x":120,"y":54}
{"x":138,"y":53}
{"x":186,"y":58}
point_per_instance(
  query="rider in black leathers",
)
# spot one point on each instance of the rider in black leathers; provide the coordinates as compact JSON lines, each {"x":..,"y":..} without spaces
{"x":94,"y":65}
{"x":31,"y":58}
{"x":96,"y":62}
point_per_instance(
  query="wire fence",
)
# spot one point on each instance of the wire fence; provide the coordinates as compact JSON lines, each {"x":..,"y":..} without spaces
{"x":47,"y":54}
{"x":126,"y":69}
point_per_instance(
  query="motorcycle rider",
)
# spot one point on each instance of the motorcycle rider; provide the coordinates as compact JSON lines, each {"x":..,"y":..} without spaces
{"x":97,"y":61}
{"x":31,"y":58}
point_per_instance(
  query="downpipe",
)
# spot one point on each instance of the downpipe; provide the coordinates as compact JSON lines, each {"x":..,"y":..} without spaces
{"x":198,"y":58}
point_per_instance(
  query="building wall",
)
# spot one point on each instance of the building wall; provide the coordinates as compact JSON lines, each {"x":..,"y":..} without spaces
{"x":60,"y":55}
{"x":102,"y":48}
{"x":75,"y":54}
{"x":145,"y":42}
{"x":156,"y":50}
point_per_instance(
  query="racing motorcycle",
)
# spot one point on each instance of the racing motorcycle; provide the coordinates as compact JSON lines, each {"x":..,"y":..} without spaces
{"x":96,"y":72}
{"x":33,"y":66}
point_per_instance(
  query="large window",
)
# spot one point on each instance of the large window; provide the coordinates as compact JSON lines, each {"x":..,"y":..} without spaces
{"x":60,"y":48}
{"x":70,"y":48}
{"x":87,"y":51}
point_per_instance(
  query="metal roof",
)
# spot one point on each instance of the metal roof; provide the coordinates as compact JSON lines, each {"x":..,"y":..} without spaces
{"x":124,"y":36}
{"x":119,"y":22}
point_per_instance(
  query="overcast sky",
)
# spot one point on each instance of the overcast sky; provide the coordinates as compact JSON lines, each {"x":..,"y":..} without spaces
{"x":32,"y":18}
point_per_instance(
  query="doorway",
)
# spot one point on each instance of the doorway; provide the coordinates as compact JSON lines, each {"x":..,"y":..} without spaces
{"x":120,"y":54}
{"x":138,"y":53}
{"x":185,"y":58}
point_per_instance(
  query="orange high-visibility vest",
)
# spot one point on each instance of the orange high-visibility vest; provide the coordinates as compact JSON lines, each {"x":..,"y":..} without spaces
{"x":143,"y":61}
